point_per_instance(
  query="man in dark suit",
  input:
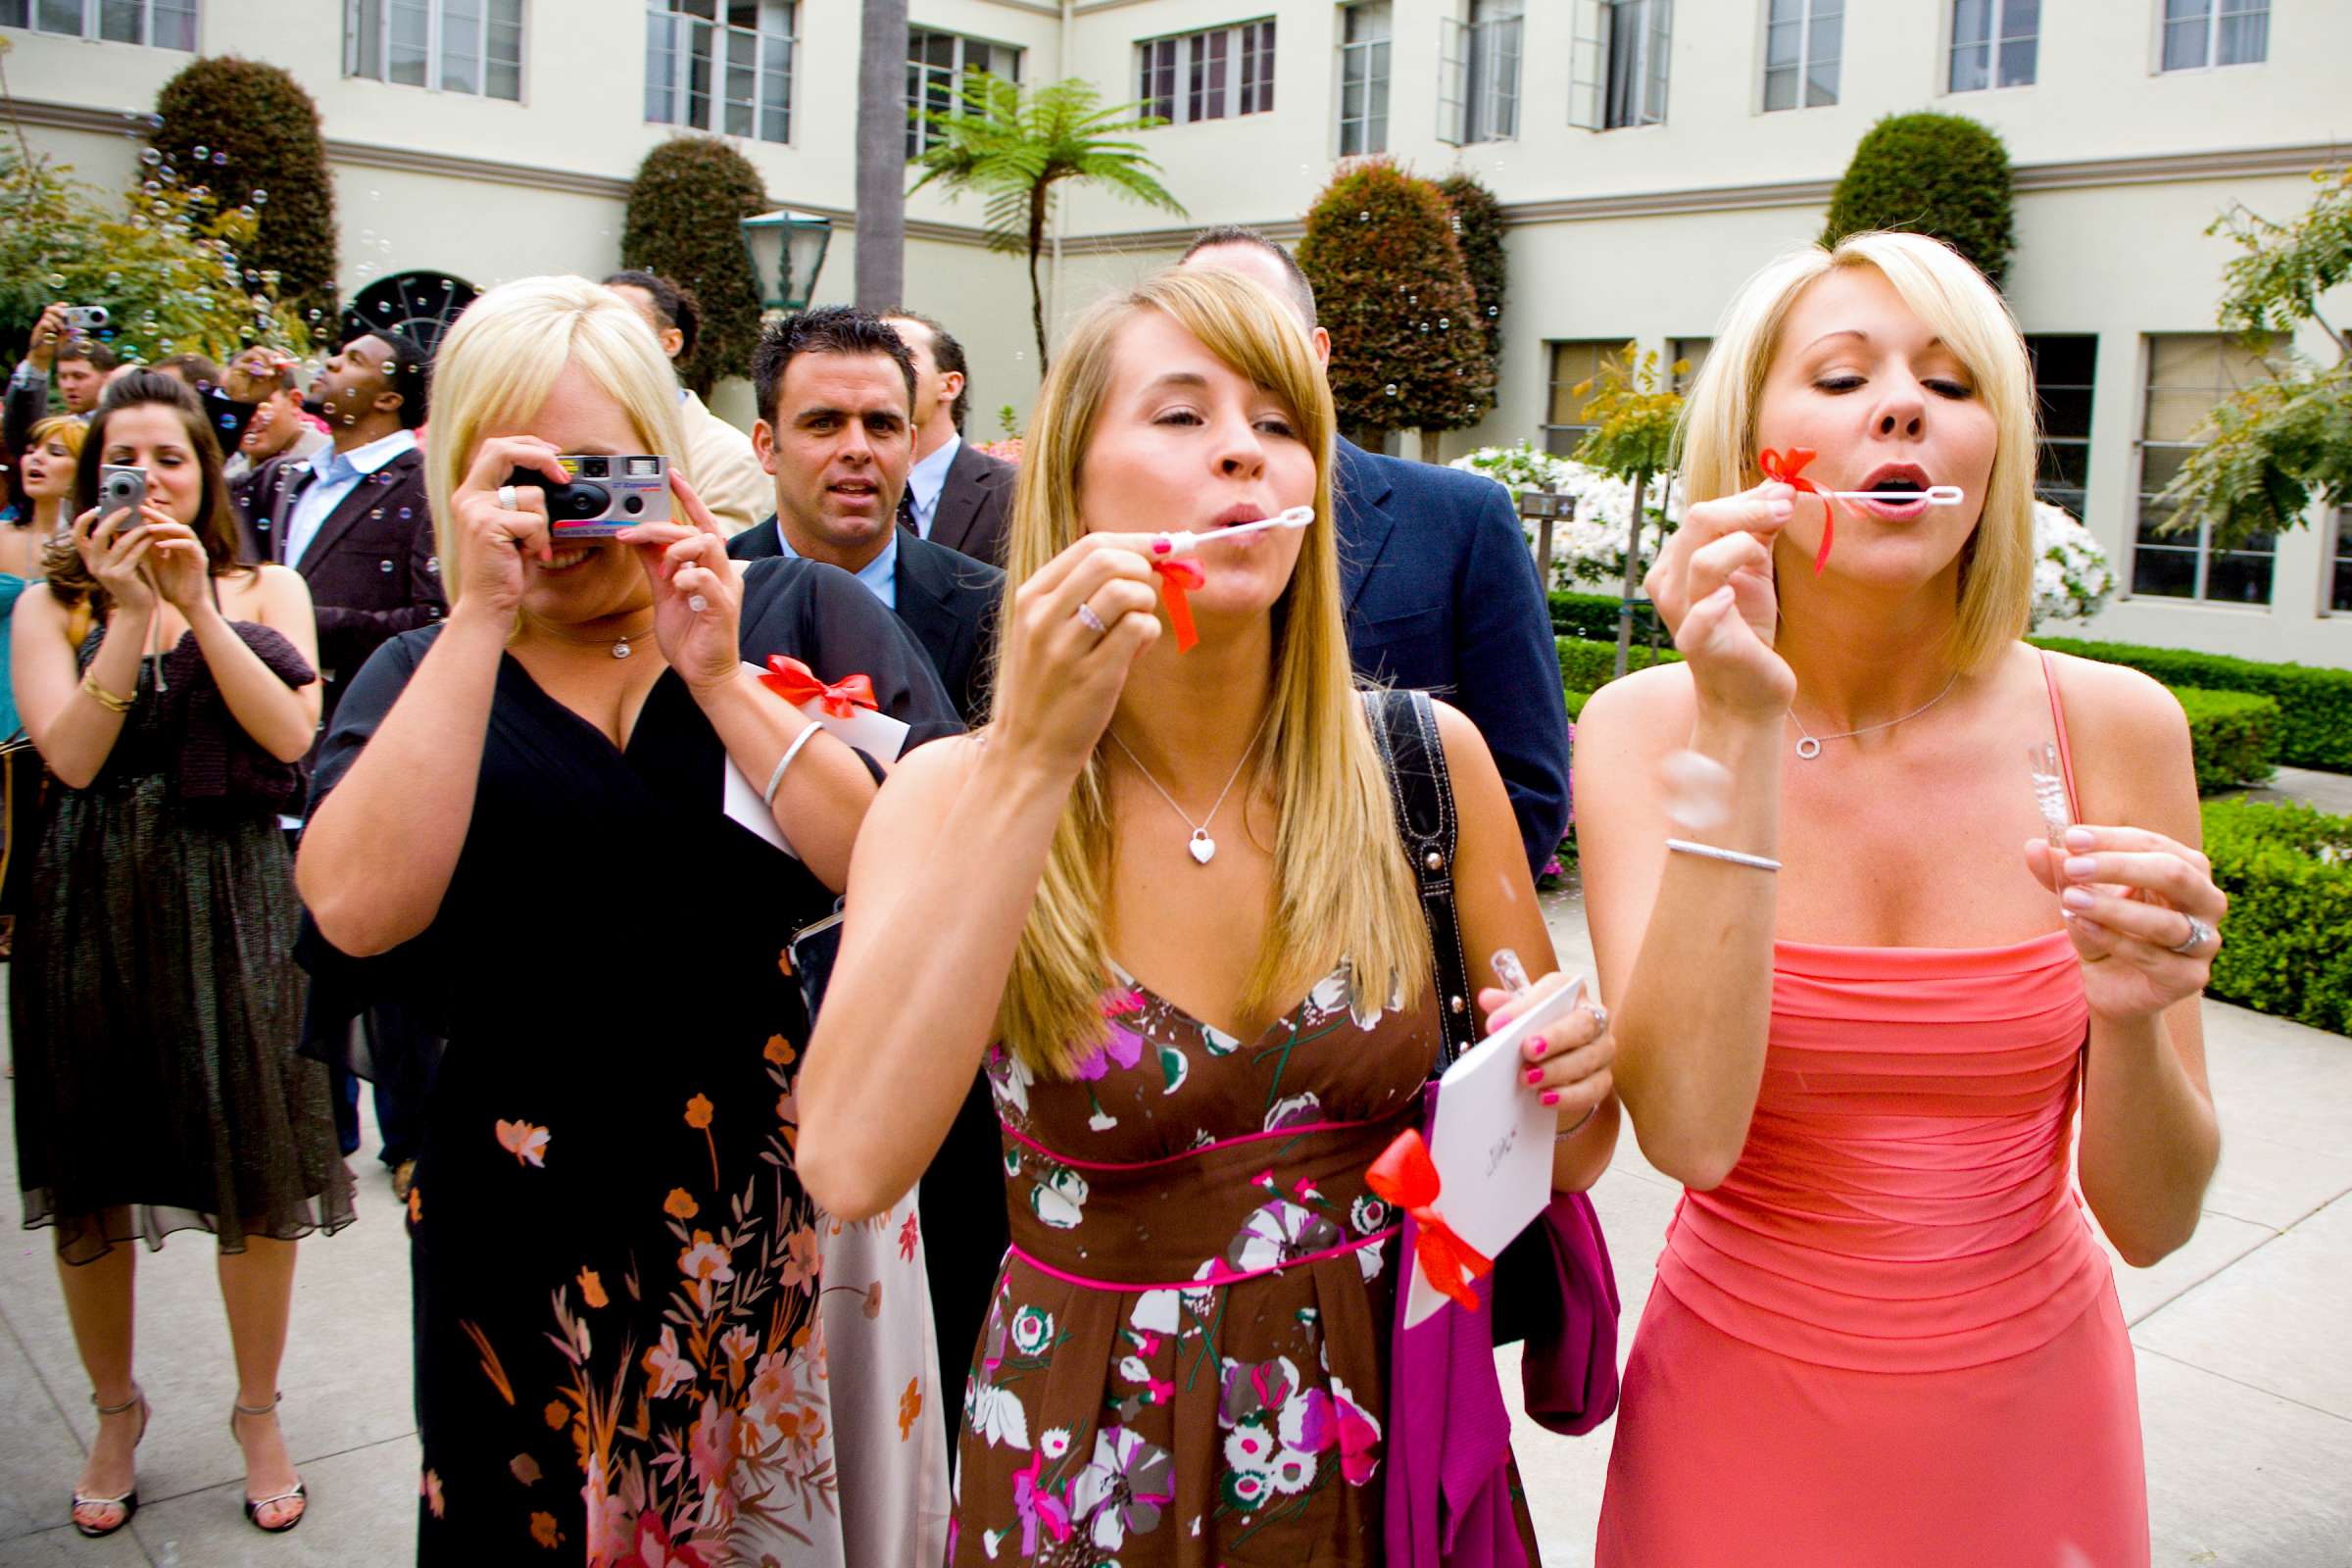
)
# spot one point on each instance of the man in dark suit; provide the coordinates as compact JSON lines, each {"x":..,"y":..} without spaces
{"x":957,"y":495}
{"x":1440,"y":590}
{"x":353,"y":520}
{"x":834,"y":388}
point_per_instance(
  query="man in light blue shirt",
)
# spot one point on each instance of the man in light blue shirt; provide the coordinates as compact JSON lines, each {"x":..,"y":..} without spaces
{"x":957,"y":495}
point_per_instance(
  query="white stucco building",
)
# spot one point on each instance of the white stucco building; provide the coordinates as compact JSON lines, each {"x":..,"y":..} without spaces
{"x":1649,"y":156}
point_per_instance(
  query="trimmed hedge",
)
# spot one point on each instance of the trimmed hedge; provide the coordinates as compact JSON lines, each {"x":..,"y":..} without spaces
{"x":2232,"y":736}
{"x":1944,"y":175}
{"x":689,"y":194}
{"x":2288,"y":872}
{"x":1592,"y":615}
{"x":1587,"y":666}
{"x":2315,"y":704}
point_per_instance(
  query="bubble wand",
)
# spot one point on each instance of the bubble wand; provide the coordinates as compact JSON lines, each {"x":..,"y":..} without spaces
{"x":1787,"y":468}
{"x":1178,"y":574}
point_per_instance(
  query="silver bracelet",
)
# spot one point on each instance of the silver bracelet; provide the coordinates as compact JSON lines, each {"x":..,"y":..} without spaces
{"x":1709,"y":851}
{"x":1566,"y":1133}
{"x":775,"y":780}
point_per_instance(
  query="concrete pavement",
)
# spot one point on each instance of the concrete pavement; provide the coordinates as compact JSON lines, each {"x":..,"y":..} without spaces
{"x":2245,"y":1361}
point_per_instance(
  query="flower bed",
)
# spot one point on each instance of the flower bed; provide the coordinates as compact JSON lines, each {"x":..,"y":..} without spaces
{"x":2288,"y":872}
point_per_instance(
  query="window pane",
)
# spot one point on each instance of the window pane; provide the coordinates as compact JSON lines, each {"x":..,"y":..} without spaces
{"x":1780,"y":88}
{"x":2017,"y":63}
{"x":743,"y":73}
{"x":60,"y":15}
{"x":2163,"y":573}
{"x":1821,"y":68}
{"x":1972,"y":22}
{"x":2184,"y":45}
{"x":2199,"y":11}
{"x":2066,"y":410}
{"x":2239,"y":577}
{"x":661,"y":62}
{"x":1782,"y":42}
{"x":1367,"y":23}
{"x":700,"y":88}
{"x":2341,"y":595}
{"x":119,"y":20}
{"x":461,"y":45}
{"x":1972,"y":68}
{"x":775,"y":90}
{"x":2021,"y":19}
{"x":2243,"y":40}
{"x":410,"y":22}
{"x":2063,"y":358}
{"x":15,"y":14}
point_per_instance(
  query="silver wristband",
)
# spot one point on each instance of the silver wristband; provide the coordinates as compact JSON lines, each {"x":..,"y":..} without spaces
{"x":1709,"y":851}
{"x":775,"y":780}
{"x":1566,"y":1133}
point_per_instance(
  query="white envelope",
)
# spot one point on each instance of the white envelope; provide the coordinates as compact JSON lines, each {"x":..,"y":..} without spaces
{"x":875,"y":733}
{"x":1490,"y":1140}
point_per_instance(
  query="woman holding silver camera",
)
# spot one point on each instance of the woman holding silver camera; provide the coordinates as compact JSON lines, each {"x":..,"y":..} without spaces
{"x":522,"y":823}
{"x":172,"y":691}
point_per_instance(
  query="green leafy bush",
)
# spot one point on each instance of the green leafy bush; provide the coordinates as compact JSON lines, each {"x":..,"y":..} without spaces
{"x":2314,"y":705}
{"x":2232,"y":736}
{"x":689,"y":194}
{"x":1592,"y":615}
{"x":243,"y":134}
{"x":1478,"y":230}
{"x":1939,"y":174}
{"x":2288,"y":872}
{"x":1587,"y":666}
{"x":1390,"y":285}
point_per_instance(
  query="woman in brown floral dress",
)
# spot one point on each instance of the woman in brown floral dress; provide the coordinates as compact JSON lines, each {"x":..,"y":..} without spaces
{"x":1163,"y":893}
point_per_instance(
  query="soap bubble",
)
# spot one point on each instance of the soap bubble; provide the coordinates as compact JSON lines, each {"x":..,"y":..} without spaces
{"x":1445,"y":324}
{"x":247,"y":213}
{"x":220,"y":160}
{"x":203,"y":153}
{"x":261,"y":197}
{"x":150,"y":157}
{"x":1390,"y":389}
{"x":1363,"y":218}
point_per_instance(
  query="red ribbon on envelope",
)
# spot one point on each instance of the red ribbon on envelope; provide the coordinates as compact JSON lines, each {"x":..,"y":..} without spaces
{"x":1786,"y":468}
{"x":797,"y":683}
{"x":1175,"y":577}
{"x":1407,"y":1177}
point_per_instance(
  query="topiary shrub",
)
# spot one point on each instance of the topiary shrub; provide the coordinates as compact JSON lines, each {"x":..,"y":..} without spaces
{"x":2232,"y":736}
{"x":246,"y":135}
{"x":1592,"y":615}
{"x":1478,"y":231}
{"x":1587,"y":666}
{"x":2288,"y":872}
{"x":689,"y":194}
{"x":2314,"y":705}
{"x":1926,"y":173}
{"x":1405,"y":348}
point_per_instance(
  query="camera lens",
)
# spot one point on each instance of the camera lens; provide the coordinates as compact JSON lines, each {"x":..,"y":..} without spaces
{"x":632,"y":505}
{"x":595,"y":468}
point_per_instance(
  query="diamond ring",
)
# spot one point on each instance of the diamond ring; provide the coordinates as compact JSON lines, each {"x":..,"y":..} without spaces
{"x":1089,"y":620}
{"x":506,"y":498}
{"x":2199,"y":933}
{"x":1600,"y":1018}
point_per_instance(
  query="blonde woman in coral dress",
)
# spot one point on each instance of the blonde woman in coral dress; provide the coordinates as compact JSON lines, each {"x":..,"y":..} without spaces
{"x":1883,"y":1330}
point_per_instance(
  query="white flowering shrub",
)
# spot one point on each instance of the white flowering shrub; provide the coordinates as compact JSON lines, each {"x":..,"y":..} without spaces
{"x":1587,"y":553}
{"x":2072,"y":579}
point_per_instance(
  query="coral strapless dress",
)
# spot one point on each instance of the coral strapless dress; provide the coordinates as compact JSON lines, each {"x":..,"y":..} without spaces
{"x":1890,"y":1337}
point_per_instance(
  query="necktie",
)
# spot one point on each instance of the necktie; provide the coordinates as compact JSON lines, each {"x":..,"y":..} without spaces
{"x":907,"y":510}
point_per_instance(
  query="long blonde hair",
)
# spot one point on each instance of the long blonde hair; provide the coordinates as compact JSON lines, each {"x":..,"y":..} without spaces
{"x":499,"y":362}
{"x":1341,"y":886}
{"x":1718,"y":435}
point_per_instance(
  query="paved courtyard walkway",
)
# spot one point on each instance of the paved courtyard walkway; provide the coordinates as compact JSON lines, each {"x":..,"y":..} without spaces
{"x":2244,"y":1344}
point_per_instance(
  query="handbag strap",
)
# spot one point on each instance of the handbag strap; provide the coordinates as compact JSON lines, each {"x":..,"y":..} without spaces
{"x":1405,"y":724}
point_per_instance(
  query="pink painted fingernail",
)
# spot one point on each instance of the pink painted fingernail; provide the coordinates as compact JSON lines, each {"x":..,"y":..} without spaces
{"x":1551,"y":1097}
{"x":1535,"y":1075}
{"x":1537,"y":1045}
{"x":1162,"y":545}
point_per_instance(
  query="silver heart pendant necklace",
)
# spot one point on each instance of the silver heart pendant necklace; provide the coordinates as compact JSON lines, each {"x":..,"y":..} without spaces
{"x":1204,"y":848}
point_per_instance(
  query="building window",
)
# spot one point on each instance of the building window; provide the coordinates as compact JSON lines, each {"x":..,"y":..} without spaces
{"x":2188,"y":374}
{"x":1690,"y":353}
{"x":2198,"y":33}
{"x":470,"y":46}
{"x":158,"y":24}
{"x":1802,"y":41}
{"x":720,"y":64}
{"x":1364,"y":78}
{"x":1573,"y":364}
{"x":1994,"y":44}
{"x":1621,"y":52}
{"x":2064,"y":375}
{"x":936,"y":63}
{"x":2339,"y":596}
{"x":1477,"y":73}
{"x":1208,"y":75}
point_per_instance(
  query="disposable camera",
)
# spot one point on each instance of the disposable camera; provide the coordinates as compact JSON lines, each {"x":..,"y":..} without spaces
{"x":606,"y":495}
{"x":121,"y":488}
{"x":85,"y":318}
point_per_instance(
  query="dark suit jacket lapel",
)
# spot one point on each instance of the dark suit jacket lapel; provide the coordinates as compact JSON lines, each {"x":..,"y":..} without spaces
{"x":1365,"y":522}
{"x":924,"y":602}
{"x":958,"y":500}
{"x":758,"y":542}
{"x":368,"y":492}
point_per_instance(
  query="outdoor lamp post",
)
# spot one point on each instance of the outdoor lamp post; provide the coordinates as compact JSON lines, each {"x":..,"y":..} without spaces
{"x":787,"y":248}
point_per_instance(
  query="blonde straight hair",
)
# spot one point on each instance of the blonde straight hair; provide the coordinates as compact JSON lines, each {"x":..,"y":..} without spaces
{"x":499,"y":362}
{"x":1341,"y":886}
{"x":1718,"y":436}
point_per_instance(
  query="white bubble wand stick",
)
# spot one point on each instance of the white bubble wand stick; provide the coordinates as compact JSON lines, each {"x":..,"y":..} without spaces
{"x":1188,"y":542}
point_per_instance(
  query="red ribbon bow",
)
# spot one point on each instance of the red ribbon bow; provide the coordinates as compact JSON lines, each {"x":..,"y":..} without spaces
{"x":796,"y":683}
{"x":1175,"y":577}
{"x":1787,"y":468}
{"x":1407,"y":1177}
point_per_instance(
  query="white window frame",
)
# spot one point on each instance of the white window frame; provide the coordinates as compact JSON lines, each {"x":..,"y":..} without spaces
{"x":1598,"y":100}
{"x":1480,"y":64}
{"x":1997,"y":38}
{"x":1811,"y":14}
{"x":1372,"y":57}
{"x":2201,"y":542}
{"x":92,"y":25}
{"x":2216,"y":12}
{"x":1600,"y":350}
{"x":356,"y":22}
{"x":1203,"y":73}
{"x":2336,"y":562}
{"x":722,"y":36}
{"x":925,"y":78}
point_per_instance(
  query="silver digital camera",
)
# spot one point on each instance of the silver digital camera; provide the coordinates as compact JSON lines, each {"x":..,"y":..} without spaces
{"x":606,"y":495}
{"x":121,"y":488}
{"x":83,"y":319}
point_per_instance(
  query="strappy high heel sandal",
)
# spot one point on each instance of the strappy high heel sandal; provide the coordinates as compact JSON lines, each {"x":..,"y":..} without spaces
{"x":129,"y":1501}
{"x":299,"y":1493}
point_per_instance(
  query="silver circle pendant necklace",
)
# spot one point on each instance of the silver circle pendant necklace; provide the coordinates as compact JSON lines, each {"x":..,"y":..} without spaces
{"x":1204,"y":848}
{"x":1808,"y":745}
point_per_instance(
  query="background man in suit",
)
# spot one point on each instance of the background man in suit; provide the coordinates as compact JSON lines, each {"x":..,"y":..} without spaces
{"x":1441,"y":588}
{"x":277,"y":428}
{"x":957,"y":495}
{"x":836,"y":390}
{"x":81,"y":366}
{"x":835,"y":386}
{"x":719,"y":463}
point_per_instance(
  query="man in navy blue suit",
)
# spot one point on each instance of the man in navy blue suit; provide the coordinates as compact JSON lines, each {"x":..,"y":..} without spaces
{"x":1441,"y":589}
